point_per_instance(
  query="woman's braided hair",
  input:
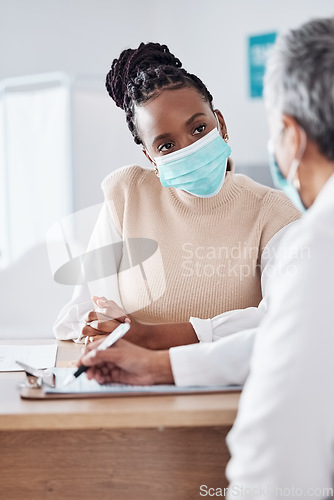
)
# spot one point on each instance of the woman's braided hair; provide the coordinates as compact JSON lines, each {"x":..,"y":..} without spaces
{"x":138,"y":73}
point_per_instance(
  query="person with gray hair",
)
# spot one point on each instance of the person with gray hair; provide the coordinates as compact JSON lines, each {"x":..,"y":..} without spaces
{"x":282,"y":443}
{"x":299,"y":81}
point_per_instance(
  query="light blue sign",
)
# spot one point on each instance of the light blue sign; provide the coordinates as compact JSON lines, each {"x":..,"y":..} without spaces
{"x":258,"y":47}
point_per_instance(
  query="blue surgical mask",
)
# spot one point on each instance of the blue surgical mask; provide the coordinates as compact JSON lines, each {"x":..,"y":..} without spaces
{"x":283,"y":183}
{"x":199,"y":168}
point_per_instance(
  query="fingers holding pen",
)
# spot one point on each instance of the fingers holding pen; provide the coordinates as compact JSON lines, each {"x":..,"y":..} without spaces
{"x":105,"y":374}
{"x":127,"y":363}
{"x":101,"y":373}
{"x":101,"y":363}
{"x":95,"y":357}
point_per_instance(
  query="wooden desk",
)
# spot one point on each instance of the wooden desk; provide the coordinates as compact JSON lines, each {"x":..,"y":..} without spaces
{"x":143,"y":448}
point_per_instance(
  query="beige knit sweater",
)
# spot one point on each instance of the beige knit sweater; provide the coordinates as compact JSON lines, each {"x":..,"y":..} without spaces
{"x":209,"y":249}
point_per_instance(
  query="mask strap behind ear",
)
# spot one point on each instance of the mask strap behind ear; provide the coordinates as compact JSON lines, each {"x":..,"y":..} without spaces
{"x":225,"y":136}
{"x":218,"y":124}
{"x":296,"y":162}
{"x":152,"y":161}
{"x":148,"y":156}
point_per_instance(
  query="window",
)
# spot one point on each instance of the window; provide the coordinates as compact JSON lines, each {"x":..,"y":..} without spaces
{"x":35,"y":160}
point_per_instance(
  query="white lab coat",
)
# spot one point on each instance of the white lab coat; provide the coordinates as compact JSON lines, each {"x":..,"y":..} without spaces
{"x":283,"y":437}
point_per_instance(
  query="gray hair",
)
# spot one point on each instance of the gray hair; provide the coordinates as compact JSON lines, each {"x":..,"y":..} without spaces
{"x":299,"y":80}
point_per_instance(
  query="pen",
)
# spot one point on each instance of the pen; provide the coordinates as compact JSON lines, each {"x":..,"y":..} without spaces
{"x":108,"y":342}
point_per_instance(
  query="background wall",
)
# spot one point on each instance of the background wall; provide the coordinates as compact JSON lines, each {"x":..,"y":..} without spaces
{"x":81,"y":37}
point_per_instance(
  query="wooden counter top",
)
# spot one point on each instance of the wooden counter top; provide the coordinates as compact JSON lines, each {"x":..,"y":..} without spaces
{"x":200,"y":410}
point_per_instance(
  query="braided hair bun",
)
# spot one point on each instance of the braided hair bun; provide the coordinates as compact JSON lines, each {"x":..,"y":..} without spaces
{"x":138,"y":73}
{"x":132,"y":62}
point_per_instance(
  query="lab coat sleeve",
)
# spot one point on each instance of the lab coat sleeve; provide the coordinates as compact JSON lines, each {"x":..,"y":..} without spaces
{"x":225,"y":362}
{"x":71,"y":319}
{"x":230,"y":322}
{"x":283,"y":437}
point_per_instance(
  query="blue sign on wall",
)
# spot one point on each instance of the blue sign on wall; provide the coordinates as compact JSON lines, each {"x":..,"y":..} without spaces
{"x":258,"y":47}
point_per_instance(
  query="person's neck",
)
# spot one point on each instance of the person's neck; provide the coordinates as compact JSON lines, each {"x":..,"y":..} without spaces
{"x":314,"y":172}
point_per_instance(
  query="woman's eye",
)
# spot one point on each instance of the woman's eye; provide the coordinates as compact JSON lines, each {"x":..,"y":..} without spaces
{"x":165,"y":147}
{"x":199,"y":129}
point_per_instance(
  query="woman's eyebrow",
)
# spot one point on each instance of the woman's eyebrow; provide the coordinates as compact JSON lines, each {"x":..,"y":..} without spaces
{"x":188,"y":122}
{"x":160,"y":137}
{"x":193,"y":117}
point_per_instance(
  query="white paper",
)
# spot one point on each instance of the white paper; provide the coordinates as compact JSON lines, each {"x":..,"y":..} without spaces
{"x":36,"y":356}
{"x":85,"y":386}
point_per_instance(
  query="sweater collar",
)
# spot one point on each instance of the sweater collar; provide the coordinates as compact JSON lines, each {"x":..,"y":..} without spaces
{"x":196,"y":204}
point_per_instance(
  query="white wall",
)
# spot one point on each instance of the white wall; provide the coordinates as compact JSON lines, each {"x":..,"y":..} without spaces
{"x":101,"y":141}
{"x":80,"y":36}
{"x":210,"y":38}
{"x":83,"y":36}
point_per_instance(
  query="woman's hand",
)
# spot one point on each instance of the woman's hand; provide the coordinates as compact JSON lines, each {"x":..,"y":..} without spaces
{"x":107,"y":316}
{"x":127,"y":363}
{"x":108,"y":309}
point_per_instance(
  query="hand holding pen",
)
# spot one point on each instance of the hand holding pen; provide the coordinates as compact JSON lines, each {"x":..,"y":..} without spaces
{"x":127,"y":363}
{"x":111,"y":339}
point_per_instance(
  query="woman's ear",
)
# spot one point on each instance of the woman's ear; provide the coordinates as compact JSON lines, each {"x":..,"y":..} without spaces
{"x":292,"y":132}
{"x":222,"y":124}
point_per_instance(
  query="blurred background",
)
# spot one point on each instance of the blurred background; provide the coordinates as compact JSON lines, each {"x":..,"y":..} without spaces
{"x":60,"y":133}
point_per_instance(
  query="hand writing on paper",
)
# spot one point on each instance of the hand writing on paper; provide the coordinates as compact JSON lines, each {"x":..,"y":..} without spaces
{"x":127,"y":363}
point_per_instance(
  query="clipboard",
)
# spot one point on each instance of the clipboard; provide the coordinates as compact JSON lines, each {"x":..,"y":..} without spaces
{"x":84,"y":388}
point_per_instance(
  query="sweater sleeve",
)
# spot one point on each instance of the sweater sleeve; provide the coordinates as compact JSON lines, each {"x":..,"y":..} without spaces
{"x":71,"y":319}
{"x":108,"y":231}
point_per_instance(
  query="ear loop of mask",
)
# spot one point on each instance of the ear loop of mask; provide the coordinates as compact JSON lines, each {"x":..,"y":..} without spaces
{"x":218,"y":124}
{"x":292,"y":177}
{"x":156,"y":171}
